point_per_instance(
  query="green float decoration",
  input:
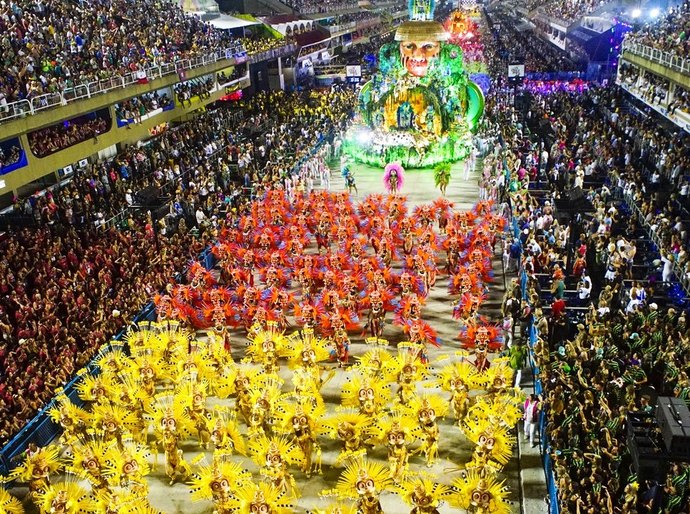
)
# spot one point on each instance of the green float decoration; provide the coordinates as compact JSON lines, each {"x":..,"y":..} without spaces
{"x":420,"y":108}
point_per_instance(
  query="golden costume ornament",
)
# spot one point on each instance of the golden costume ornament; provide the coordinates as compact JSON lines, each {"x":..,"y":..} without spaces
{"x":261,"y":498}
{"x":37,"y":468}
{"x":225,"y":435}
{"x":65,"y":498}
{"x":494,"y":445}
{"x":395,"y":432}
{"x":9,"y":504}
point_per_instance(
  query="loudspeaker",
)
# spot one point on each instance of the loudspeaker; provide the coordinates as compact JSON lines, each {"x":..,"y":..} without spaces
{"x":673,"y":417}
{"x":148,"y":196}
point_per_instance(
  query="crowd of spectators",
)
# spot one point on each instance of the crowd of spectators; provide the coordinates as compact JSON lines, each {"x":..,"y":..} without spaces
{"x":342,"y":19}
{"x":54,"y":138}
{"x":52,"y":45}
{"x":618,"y":347}
{"x":200,"y":87}
{"x":258,"y":44}
{"x":537,"y":55}
{"x":563,"y":10}
{"x":654,"y":88}
{"x":604,"y":285}
{"x":681,"y":101}
{"x":68,"y":286}
{"x":321,"y":6}
{"x":134,"y":108}
{"x":669,"y":34}
{"x":9,"y":156}
{"x":571,"y":10}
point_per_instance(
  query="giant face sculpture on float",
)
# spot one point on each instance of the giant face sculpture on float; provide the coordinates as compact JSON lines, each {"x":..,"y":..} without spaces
{"x":416,"y":55}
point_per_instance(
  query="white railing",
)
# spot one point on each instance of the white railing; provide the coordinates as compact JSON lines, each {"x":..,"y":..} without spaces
{"x":666,"y":59}
{"x":27,"y":107}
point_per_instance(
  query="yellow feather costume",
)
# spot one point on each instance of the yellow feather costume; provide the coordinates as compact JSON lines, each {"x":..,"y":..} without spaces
{"x":37,"y":468}
{"x":428,"y":409}
{"x":259,"y":498}
{"x":494,"y":444}
{"x":9,"y":504}
{"x":123,"y":501}
{"x":88,"y":462}
{"x":274,"y":455}
{"x":373,"y":362}
{"x":266,"y":347}
{"x":424,"y":495}
{"x":407,"y":370}
{"x":128,"y":466}
{"x":225,"y":434}
{"x":262,"y":397}
{"x":352,"y":428}
{"x":362,"y":481}
{"x":369,"y":395}
{"x":65,"y":497}
{"x":395,"y":432}
{"x":458,"y":378}
{"x":217,"y":483}
{"x":300,"y":416}
{"x":479,"y":493}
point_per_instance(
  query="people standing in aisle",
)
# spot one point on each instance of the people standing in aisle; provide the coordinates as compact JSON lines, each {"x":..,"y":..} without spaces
{"x":530,"y":418}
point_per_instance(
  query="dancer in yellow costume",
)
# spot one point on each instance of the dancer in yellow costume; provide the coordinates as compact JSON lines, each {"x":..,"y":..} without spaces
{"x":274,"y":455}
{"x":395,"y":432}
{"x":428,"y":409}
{"x":424,"y":495}
{"x":362,"y":481}
{"x":303,"y":421}
{"x":9,"y":503}
{"x":353,"y":429}
{"x":369,"y":395}
{"x":65,"y":498}
{"x":225,"y":435}
{"x":217,"y":483}
{"x":480,"y":493}
{"x":37,"y":468}
{"x":458,"y":379}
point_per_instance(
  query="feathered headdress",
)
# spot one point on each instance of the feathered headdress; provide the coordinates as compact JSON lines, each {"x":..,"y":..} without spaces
{"x":494,"y":441}
{"x":480,"y":493}
{"x":359,"y":388}
{"x":261,"y":497}
{"x":424,"y":493}
{"x":10,"y":504}
{"x":262,"y":448}
{"x":393,"y":169}
{"x":67,"y":497}
{"x":46,"y":458}
{"x":208,"y":479}
{"x":360,"y":474}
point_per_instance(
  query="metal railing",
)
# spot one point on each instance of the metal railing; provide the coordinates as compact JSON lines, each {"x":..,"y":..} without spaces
{"x":666,"y":59}
{"x":274,"y":53}
{"x":30,"y":106}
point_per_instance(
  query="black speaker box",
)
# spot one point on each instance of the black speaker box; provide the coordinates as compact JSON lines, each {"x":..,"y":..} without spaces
{"x":673,"y":417}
